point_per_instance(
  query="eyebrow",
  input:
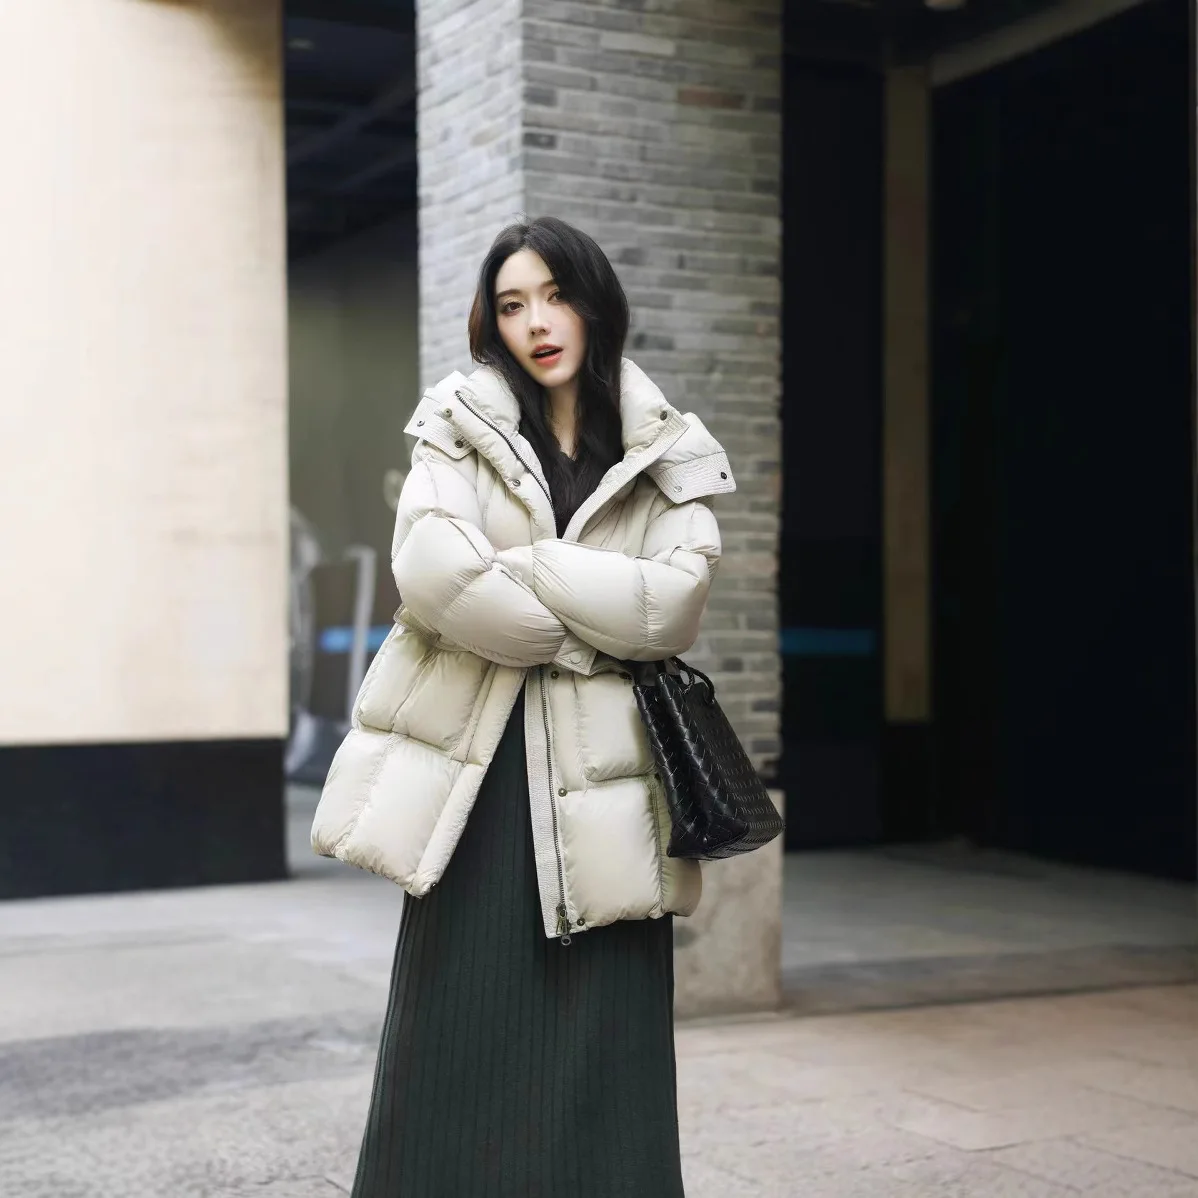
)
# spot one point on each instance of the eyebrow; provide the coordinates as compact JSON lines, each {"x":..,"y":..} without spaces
{"x":516,"y":290}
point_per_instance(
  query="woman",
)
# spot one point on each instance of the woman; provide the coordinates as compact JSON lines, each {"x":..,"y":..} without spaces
{"x":555,"y":524}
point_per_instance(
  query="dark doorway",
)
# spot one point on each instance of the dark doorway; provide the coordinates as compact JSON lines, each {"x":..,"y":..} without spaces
{"x":1064,"y":594}
{"x":830,"y":573}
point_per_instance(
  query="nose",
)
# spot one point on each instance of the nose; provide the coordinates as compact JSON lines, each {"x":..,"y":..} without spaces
{"x":538,"y":321}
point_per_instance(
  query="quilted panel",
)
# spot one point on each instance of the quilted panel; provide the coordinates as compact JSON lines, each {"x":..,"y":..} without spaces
{"x":407,"y":795}
{"x":438,"y":709}
{"x":396,"y":669}
{"x":347,"y":788}
{"x":611,"y":735}
{"x":611,"y":851}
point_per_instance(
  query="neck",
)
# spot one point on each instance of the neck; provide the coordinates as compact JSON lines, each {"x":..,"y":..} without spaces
{"x":563,"y":415}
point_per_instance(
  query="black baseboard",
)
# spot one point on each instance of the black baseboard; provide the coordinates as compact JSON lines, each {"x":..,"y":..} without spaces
{"x":84,"y":819}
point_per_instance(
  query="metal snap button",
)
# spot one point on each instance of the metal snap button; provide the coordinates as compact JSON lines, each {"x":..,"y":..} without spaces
{"x":447,"y":413}
{"x":665,"y":415}
{"x":677,"y":488}
{"x":459,"y":444}
{"x":515,"y":482}
{"x":561,"y":792}
{"x":723,"y":474}
{"x":419,"y":423}
{"x":581,"y":923}
{"x":553,"y":674}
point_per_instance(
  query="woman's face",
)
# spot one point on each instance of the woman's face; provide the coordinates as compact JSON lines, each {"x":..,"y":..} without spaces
{"x":542,"y":332}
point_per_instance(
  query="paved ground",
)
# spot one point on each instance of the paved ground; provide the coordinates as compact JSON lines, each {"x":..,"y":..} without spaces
{"x":219,"y":1043}
{"x":904,"y":924}
{"x":908,"y":925}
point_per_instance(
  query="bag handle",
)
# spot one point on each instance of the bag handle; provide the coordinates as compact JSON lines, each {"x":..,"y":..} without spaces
{"x":646,"y":673}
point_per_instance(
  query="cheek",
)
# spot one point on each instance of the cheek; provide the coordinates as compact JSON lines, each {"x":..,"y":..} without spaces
{"x":578,"y":333}
{"x":509,"y":333}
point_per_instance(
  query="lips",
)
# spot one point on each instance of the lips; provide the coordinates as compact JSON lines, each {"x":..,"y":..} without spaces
{"x":547,"y":355}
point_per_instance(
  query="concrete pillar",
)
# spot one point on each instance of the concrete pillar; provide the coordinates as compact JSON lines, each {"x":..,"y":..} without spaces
{"x":659,"y":133}
{"x":143,"y":486}
{"x":905,"y":452}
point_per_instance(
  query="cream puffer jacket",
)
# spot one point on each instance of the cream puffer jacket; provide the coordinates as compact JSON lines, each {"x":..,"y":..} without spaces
{"x":494,"y":600}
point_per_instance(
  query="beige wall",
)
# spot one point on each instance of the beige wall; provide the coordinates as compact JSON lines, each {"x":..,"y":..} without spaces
{"x":143,"y":489}
{"x":354,"y":383}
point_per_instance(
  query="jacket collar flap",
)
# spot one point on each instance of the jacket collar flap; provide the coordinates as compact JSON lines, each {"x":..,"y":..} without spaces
{"x":675,"y":451}
{"x":433,"y":419}
{"x":645,"y":416}
{"x":694,"y":467}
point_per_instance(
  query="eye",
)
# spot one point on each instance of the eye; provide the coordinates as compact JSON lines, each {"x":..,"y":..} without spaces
{"x":509,"y":306}
{"x":555,"y":297}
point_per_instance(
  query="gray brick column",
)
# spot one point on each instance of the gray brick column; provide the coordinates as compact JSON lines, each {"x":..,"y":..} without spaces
{"x":658,"y":132}
{"x":469,"y":66}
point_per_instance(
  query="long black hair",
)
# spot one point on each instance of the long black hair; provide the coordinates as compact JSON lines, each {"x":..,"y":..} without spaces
{"x":588,"y":283}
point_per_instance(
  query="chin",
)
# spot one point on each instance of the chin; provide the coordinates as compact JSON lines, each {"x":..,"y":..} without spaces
{"x":558,"y":375}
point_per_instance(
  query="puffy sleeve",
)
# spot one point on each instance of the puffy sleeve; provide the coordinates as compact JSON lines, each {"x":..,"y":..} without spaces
{"x":452,"y":586}
{"x":642,"y":608}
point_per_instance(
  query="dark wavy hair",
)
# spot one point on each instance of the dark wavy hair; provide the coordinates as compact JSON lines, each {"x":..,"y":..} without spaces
{"x":588,"y":283}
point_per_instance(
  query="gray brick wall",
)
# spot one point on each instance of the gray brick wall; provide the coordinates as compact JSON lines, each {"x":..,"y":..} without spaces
{"x":469,"y":63}
{"x":655,"y":126}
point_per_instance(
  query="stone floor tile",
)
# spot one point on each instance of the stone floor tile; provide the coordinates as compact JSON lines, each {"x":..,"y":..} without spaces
{"x":342,"y":1175}
{"x":308,"y":1187}
{"x":800,"y":1124}
{"x":963,"y":1175}
{"x":1095,"y":1173}
{"x":217,"y":1044}
{"x":944,"y":1174}
{"x":1157,"y":1046}
{"x":205,"y":1146}
{"x":1173,"y":1147}
{"x":751,"y":1077}
{"x":1180,"y":1002}
{"x":1163,"y":1085}
{"x":200,"y":981}
{"x":706,"y":1181}
{"x":805,"y":1124}
{"x":1078,"y":1084}
{"x":713,"y":1082}
{"x":999,"y":1089}
{"x":730,"y":1034}
{"x":757,"y":1155}
{"x":804,"y":1082}
{"x":973,"y":1130}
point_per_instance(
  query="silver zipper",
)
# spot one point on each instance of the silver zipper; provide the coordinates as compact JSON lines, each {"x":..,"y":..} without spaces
{"x":563,"y":917}
{"x":515,"y":452}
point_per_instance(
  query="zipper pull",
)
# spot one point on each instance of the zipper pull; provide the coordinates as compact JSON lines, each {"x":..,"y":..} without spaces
{"x":563,"y":925}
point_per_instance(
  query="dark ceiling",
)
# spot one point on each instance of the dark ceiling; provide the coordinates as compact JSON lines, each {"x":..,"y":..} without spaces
{"x":882,"y":32}
{"x":351,"y":91}
{"x":351,"y":117}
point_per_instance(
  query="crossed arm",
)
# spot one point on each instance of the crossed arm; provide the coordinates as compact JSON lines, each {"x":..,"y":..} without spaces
{"x":555,"y":601}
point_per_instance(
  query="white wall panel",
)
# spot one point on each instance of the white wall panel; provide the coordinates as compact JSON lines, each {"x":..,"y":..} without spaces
{"x":143,"y":450}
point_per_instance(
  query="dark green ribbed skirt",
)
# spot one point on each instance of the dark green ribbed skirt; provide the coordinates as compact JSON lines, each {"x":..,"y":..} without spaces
{"x":512,"y":1066}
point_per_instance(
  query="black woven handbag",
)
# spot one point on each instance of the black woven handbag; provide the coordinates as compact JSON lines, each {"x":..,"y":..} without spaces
{"x":718,"y":805}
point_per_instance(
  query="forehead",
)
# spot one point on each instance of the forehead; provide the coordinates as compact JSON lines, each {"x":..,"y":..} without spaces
{"x":525,"y":270}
